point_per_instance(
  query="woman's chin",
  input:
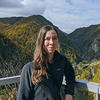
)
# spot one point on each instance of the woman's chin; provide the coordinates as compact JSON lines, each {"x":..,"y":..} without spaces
{"x":51,"y":52}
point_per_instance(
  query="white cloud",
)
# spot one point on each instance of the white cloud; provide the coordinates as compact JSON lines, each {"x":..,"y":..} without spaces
{"x":33,"y":7}
{"x":21,"y":7}
{"x":74,"y":14}
{"x":66,"y":14}
{"x":78,"y":1}
{"x":10,"y":3}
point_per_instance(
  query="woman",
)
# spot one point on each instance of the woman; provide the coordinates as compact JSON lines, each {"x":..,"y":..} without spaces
{"x":42,"y":79}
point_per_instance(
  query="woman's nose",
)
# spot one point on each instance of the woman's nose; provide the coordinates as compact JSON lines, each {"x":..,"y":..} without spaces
{"x":51,"y":41}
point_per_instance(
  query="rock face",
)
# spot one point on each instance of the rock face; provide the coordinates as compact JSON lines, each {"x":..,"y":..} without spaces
{"x":94,"y":50}
{"x":95,"y":46}
{"x":88,"y":41}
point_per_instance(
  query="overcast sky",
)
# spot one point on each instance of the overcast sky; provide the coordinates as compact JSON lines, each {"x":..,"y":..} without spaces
{"x":65,"y":14}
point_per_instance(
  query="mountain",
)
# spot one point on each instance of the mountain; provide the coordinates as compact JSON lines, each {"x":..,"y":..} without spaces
{"x":24,"y":33}
{"x":88,"y":41}
{"x":12,"y":58}
{"x":18,"y":37}
{"x":10,"y":20}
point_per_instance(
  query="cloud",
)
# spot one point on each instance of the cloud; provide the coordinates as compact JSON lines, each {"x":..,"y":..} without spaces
{"x":21,"y":7}
{"x":10,"y":3}
{"x":33,"y":7}
{"x":72,"y":14}
{"x":79,"y":1}
{"x":66,"y":14}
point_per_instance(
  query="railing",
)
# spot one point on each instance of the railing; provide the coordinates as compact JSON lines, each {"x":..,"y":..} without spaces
{"x":80,"y":84}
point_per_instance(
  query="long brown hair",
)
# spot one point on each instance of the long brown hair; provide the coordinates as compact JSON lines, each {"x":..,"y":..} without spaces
{"x":40,"y":56}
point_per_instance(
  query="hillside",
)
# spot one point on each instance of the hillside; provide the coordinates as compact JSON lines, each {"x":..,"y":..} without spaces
{"x":87,"y":39}
{"x":12,"y":58}
{"x":90,"y":72}
{"x":18,"y":37}
{"x":24,"y":33}
{"x":10,"y":20}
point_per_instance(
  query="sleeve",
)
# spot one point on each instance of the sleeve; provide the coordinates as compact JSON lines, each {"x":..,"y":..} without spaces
{"x":25,"y":91}
{"x":69,"y":78}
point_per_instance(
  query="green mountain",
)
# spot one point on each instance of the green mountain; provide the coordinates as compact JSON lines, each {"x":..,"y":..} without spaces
{"x":10,"y":20}
{"x":88,"y":41}
{"x":24,"y":33}
{"x":18,"y":36}
{"x":12,"y":58}
{"x":3,"y":26}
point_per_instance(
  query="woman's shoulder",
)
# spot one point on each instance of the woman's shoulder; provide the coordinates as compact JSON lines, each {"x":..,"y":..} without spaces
{"x":28,"y":67}
{"x":59,"y":55}
{"x":62,"y":57}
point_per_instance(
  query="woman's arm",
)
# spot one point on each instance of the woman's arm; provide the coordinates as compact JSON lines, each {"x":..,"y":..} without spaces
{"x":70,"y":81}
{"x":25,"y":88}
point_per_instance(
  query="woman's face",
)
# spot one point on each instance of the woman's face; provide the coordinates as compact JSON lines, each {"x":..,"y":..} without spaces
{"x":50,"y":41}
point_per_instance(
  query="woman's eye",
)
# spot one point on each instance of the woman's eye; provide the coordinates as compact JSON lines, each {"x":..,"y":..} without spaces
{"x":55,"y":38}
{"x":47,"y":38}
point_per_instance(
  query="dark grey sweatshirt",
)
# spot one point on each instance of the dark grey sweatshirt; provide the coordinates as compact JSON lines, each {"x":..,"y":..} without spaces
{"x":60,"y":67}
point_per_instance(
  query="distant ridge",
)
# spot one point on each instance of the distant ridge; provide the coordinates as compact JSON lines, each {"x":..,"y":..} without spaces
{"x":87,"y":39}
{"x":10,"y":20}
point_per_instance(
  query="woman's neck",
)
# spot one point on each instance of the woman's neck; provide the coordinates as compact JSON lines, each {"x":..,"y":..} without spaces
{"x":50,"y":58}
